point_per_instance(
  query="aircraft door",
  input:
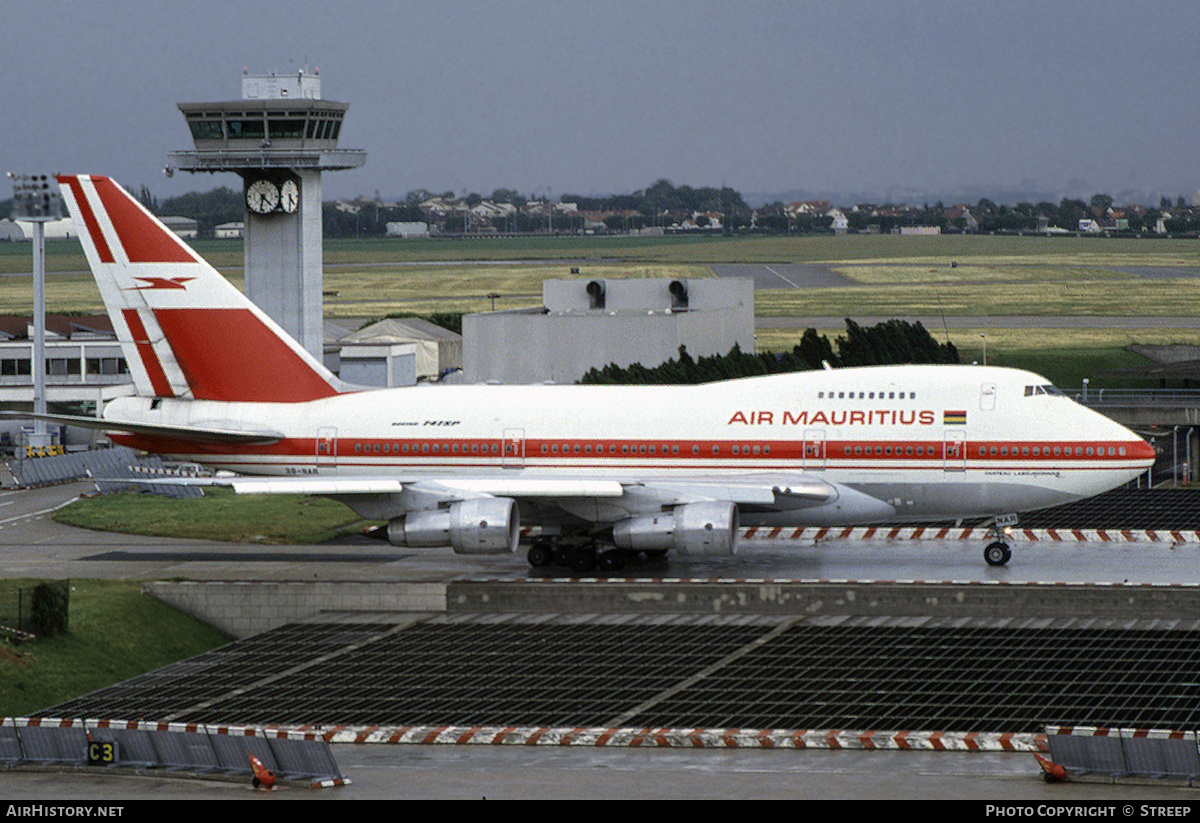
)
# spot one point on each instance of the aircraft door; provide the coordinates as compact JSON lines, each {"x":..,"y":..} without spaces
{"x":954,"y":455}
{"x":512,"y":449}
{"x":987,"y":397}
{"x":814,"y":450}
{"x":326,"y":457}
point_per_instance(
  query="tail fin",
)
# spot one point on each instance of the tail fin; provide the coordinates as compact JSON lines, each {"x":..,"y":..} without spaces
{"x":186,"y":331}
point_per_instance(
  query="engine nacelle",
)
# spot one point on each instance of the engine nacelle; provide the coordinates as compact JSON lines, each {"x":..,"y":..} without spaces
{"x":694,"y":530}
{"x":486,"y":525}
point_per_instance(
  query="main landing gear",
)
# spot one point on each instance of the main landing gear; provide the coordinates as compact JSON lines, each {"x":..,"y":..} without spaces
{"x":583,"y":558}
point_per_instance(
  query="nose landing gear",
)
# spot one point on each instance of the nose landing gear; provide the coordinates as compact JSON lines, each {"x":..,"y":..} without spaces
{"x":997,"y":553}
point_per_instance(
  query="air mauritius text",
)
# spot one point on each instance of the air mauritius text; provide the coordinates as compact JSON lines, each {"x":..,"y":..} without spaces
{"x":856,"y":417}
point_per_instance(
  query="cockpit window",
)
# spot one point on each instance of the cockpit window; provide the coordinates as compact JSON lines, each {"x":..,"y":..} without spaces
{"x":1030,"y":391}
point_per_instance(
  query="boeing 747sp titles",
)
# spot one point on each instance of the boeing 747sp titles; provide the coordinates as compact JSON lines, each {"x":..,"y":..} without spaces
{"x":601,"y":472}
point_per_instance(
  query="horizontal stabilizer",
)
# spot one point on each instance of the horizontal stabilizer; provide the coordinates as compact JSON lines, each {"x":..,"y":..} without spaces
{"x":204,"y":433}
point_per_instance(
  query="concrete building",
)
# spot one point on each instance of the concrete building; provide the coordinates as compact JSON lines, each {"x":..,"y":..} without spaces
{"x":85,"y":368}
{"x":585,"y":324}
{"x":396,"y":351}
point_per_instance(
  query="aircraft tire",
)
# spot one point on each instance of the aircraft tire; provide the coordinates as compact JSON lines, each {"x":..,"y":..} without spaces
{"x":583,"y":560}
{"x":610,"y":561}
{"x":997,"y":553}
{"x":540,"y":555}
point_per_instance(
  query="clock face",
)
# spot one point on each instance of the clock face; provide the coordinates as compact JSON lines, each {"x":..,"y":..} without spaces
{"x":262,"y":196}
{"x":289,"y":196}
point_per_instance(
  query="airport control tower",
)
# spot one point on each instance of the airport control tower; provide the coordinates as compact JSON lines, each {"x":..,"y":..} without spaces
{"x":279,"y":137}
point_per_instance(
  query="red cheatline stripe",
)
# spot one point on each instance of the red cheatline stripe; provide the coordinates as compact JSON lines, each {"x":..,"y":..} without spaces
{"x":89,"y":219}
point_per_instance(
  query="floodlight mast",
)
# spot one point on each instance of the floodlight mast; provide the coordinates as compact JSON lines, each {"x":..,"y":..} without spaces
{"x":37,"y":200}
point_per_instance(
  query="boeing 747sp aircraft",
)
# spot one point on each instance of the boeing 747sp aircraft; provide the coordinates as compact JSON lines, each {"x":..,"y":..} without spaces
{"x":599,"y":471}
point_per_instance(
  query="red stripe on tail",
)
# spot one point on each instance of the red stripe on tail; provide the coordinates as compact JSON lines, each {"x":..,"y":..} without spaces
{"x":154,"y":369}
{"x":144,"y":239}
{"x":89,"y":219}
{"x":229,"y":354}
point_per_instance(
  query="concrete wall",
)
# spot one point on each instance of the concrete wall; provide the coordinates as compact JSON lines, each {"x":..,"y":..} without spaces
{"x":244,"y":609}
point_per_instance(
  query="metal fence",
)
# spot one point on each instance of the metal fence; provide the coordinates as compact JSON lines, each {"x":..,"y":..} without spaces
{"x":1124,"y":753}
{"x":1138,"y":397}
{"x":173,"y":748}
{"x":114,"y":469}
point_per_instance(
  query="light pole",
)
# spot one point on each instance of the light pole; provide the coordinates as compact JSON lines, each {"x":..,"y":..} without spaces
{"x":37,"y":201}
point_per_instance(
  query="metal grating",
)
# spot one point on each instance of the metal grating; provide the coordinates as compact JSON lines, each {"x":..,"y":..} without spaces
{"x":683,"y":672}
{"x":1163,"y":509}
{"x":951,"y":679}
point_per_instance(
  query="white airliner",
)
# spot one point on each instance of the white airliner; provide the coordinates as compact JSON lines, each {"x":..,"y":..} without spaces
{"x":600,"y":472}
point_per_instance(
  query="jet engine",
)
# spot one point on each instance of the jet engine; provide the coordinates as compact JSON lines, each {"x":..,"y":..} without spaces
{"x":706,"y":529}
{"x":485,"y":525}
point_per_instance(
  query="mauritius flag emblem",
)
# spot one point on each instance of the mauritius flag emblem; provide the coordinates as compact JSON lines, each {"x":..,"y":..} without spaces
{"x":954,"y":418}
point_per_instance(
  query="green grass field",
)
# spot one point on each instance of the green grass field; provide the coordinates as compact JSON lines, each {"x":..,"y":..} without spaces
{"x":897,"y":276}
{"x":115,"y":632}
{"x":219,"y":515}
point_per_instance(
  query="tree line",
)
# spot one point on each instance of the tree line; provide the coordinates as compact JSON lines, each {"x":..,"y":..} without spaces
{"x":646,"y":207}
{"x":887,"y":343}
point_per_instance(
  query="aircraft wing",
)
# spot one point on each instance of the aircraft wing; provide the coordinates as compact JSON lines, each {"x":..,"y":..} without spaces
{"x":446,"y":488}
{"x":758,"y":491}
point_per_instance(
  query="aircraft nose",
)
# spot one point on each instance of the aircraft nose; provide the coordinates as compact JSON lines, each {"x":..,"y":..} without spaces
{"x":1140,"y":451}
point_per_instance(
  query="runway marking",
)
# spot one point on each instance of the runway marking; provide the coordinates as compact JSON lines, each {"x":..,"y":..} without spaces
{"x":781,"y":277}
{"x":30,"y":515}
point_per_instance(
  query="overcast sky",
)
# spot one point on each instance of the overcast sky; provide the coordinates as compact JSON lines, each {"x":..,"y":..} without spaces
{"x":605,"y":96}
